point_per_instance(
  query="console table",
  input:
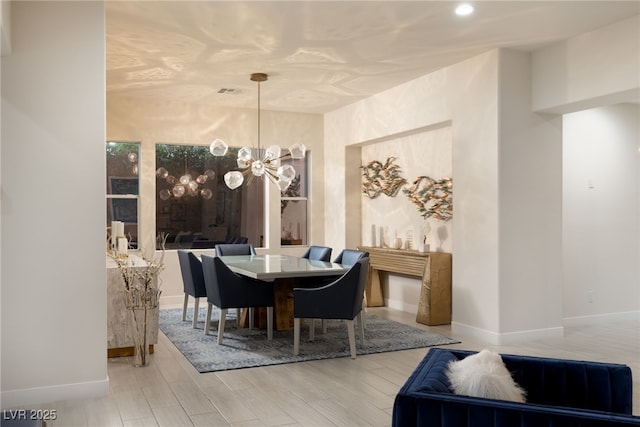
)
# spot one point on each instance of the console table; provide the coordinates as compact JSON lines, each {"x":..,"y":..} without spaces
{"x":434,"y":268}
{"x":119,"y":336}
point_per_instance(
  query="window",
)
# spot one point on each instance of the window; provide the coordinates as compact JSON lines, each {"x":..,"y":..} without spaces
{"x":194,"y":205}
{"x":122,"y":188}
{"x":294,"y":205}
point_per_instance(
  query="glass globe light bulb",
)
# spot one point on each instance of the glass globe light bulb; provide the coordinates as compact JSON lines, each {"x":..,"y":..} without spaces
{"x":298,"y":151}
{"x":185,"y":179}
{"x":272,"y":156}
{"x":178,"y":190}
{"x":218,"y":148}
{"x":233,"y":179}
{"x":162,"y":173}
{"x":165,"y":194}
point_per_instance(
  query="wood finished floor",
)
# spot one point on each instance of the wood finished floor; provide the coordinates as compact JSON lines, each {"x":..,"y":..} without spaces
{"x":338,"y":392}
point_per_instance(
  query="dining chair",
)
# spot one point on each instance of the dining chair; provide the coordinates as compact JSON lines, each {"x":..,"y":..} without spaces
{"x":350,"y":256}
{"x":319,"y":253}
{"x":226,"y":289}
{"x":347,"y":257}
{"x":192,"y":282}
{"x":341,"y":299}
{"x":224,"y":249}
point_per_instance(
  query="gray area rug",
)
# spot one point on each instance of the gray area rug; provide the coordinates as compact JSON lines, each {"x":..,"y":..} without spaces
{"x":244,"y":348}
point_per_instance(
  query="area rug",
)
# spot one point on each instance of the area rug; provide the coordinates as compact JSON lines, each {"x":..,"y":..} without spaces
{"x":244,"y":348}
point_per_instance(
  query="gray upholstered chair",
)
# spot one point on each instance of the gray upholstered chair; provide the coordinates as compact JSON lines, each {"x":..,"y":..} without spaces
{"x":341,"y":299}
{"x":319,"y":253}
{"x":192,"y":282}
{"x":226,"y":289}
{"x":225,"y":249}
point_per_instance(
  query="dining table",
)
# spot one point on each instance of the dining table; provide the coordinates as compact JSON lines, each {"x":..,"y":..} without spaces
{"x":284,"y":271}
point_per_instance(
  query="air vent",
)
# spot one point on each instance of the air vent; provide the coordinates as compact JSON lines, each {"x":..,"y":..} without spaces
{"x":230,"y":91}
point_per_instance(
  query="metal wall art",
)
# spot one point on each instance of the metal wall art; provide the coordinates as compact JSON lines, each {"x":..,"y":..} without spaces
{"x":379,"y":178}
{"x":432,"y":197}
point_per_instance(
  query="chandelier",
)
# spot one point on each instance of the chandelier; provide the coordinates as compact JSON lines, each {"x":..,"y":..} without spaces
{"x":250,"y":162}
{"x":186,"y":185}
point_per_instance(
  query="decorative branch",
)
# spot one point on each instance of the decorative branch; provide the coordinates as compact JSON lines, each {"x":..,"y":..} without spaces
{"x":141,"y":282}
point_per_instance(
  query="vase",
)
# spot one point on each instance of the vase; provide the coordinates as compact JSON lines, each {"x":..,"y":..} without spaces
{"x":141,"y":303}
{"x":139,"y":323}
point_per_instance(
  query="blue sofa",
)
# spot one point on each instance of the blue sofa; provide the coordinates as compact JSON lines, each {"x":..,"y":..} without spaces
{"x":559,"y":393}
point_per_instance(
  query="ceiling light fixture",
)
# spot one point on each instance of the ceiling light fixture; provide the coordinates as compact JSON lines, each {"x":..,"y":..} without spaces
{"x":269,"y":165}
{"x":186,"y":184}
{"x":464,"y":9}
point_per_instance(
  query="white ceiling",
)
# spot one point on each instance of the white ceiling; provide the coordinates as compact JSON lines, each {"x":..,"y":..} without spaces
{"x":320,"y":55}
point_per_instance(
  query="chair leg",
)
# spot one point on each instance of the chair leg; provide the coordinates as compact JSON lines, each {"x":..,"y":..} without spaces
{"x":269,"y":323}
{"x":184,"y":306}
{"x":196,"y":309}
{"x":223,"y":318}
{"x":364,"y":310}
{"x":238,"y":315}
{"x":352,"y":338}
{"x":361,"y":323}
{"x":251,"y":311}
{"x":296,"y":336}
{"x":312,"y":329}
{"x":324,"y":326}
{"x":207,"y":320}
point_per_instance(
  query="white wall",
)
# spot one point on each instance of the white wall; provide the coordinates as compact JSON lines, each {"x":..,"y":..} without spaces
{"x":507,"y":247}
{"x":53,"y":264}
{"x":530,"y":200}
{"x":466,"y":96}
{"x":196,"y":124}
{"x":601,"y":216}
{"x":425,"y":152}
{"x":428,"y":152}
{"x":579,"y":73}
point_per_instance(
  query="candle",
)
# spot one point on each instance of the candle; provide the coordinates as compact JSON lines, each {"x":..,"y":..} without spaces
{"x":122,"y":246}
{"x":373,"y":235}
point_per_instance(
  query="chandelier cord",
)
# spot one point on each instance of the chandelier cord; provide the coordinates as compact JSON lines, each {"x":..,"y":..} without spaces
{"x":259,"y":118}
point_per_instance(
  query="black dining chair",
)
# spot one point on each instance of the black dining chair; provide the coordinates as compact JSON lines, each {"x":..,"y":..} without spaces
{"x":226,"y":289}
{"x":192,"y":282}
{"x":224,"y":249}
{"x":319,"y":253}
{"x":350,"y":256}
{"x":341,"y":299}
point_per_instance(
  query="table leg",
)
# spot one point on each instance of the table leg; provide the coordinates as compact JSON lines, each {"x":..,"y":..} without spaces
{"x":283,"y":310}
{"x":373,"y":289}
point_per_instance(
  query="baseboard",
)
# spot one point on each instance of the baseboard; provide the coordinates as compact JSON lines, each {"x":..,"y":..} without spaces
{"x":595,"y":319}
{"x":507,"y":338}
{"x":401,"y":305}
{"x":176,"y":301}
{"x":43,"y":395}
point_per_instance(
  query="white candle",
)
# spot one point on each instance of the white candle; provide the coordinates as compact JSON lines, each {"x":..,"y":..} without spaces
{"x":122,"y":245}
{"x":373,"y":235}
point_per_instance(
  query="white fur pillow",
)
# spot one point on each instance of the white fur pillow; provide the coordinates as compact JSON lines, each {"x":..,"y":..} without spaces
{"x":484,"y":375}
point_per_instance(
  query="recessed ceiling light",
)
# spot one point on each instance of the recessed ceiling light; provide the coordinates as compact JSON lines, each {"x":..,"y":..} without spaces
{"x":464,"y":9}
